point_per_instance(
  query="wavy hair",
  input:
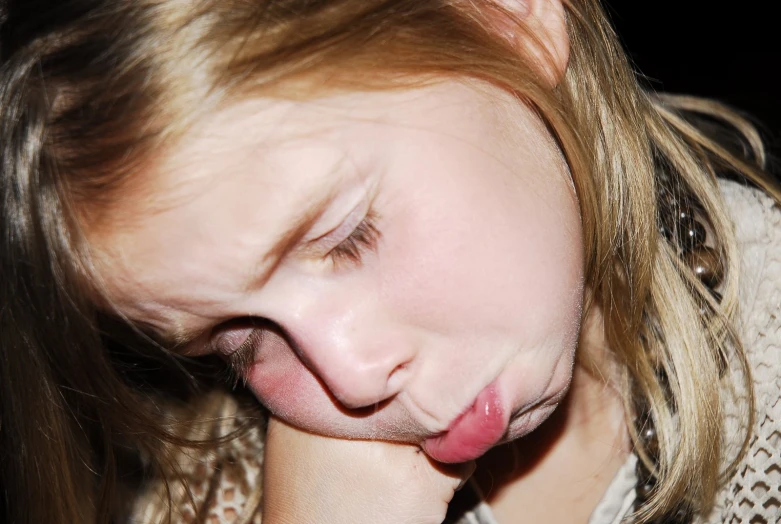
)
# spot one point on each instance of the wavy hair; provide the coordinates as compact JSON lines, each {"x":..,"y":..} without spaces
{"x":92,"y":92}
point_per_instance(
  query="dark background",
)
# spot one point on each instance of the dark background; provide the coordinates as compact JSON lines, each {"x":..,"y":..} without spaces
{"x":727,"y":50}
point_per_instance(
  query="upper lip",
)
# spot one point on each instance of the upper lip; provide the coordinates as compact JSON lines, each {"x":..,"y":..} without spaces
{"x":432,"y":425}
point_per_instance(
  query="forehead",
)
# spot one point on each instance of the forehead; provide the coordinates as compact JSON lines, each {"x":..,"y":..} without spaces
{"x":278,"y":141}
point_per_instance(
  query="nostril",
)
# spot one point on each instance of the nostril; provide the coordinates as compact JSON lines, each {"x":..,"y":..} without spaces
{"x":370,"y":390}
{"x":397,"y":378}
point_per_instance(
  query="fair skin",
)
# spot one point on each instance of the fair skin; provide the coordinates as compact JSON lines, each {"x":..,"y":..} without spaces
{"x":461,"y":291}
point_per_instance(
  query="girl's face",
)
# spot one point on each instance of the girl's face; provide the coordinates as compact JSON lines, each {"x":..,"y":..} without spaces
{"x":410,"y":252}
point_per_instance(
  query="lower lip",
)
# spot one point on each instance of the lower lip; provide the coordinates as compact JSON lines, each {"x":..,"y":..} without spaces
{"x":473,"y":433}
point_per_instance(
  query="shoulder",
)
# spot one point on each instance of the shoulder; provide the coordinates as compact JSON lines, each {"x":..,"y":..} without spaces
{"x":752,"y":493}
{"x":757,"y":221}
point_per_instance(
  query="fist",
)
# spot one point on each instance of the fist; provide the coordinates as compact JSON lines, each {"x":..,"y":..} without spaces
{"x":314,"y":479}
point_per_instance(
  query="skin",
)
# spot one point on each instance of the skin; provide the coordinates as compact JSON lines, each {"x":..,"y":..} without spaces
{"x":476,"y":279}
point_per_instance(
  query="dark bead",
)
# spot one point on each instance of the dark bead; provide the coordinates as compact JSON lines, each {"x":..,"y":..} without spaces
{"x":706,"y":264}
{"x":680,"y":516}
{"x":684,"y":214}
{"x":691,"y":235}
{"x":669,"y":207}
{"x":666,"y":233}
{"x":641,"y":472}
{"x":651,"y":442}
{"x":644,"y":490}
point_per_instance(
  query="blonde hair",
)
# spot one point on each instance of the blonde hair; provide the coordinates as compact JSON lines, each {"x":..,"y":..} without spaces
{"x":91,"y":98}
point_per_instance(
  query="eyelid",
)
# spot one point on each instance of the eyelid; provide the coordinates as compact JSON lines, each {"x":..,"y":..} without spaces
{"x":363,"y":238}
{"x":332,"y":238}
{"x":233,"y":338}
{"x":239,"y":346}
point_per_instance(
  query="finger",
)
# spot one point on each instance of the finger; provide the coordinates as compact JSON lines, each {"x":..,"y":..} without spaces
{"x":457,"y":474}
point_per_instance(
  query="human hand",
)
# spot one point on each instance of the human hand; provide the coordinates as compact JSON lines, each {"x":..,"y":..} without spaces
{"x":311,"y":478}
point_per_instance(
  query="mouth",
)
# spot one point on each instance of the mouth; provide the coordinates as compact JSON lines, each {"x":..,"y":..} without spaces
{"x":473,"y":432}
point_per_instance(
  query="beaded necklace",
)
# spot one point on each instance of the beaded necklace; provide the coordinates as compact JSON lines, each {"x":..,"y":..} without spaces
{"x":689,"y":236}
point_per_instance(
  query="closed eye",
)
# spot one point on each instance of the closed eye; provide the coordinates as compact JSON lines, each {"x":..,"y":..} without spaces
{"x":363,"y":238}
{"x":239,"y":342}
{"x":240,"y":361}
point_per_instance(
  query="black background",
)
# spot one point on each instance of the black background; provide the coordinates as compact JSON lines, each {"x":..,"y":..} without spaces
{"x":727,"y":50}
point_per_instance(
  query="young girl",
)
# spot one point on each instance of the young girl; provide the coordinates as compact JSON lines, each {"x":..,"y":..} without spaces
{"x":447,"y":244}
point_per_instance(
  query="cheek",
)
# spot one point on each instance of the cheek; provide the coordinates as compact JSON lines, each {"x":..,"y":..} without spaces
{"x":283,"y":384}
{"x":513,"y":268}
{"x":289,"y":390}
{"x":281,"y":387}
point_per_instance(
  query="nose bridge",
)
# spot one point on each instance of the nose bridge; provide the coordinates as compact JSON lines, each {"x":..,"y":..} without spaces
{"x":349,"y":342}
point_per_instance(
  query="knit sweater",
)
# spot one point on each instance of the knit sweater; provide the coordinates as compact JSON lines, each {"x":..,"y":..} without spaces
{"x":229,"y":481}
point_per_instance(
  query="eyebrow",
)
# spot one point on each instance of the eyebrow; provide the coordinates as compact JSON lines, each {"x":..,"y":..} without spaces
{"x":301,"y":225}
{"x":173,"y":340}
{"x":290,"y":238}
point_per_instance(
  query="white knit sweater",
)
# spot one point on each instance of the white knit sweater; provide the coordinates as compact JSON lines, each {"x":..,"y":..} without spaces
{"x":229,"y":481}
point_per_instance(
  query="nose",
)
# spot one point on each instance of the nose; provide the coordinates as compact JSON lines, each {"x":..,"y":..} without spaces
{"x":351,"y":347}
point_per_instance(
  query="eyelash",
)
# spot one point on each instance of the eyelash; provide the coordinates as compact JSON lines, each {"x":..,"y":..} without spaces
{"x":241,"y":359}
{"x":363,"y":238}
